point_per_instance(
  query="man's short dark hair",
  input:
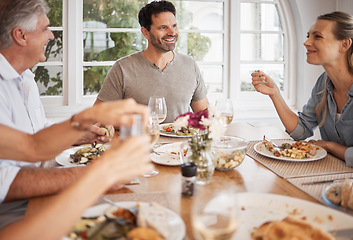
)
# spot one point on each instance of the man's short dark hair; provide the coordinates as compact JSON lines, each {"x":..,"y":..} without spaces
{"x":154,"y":8}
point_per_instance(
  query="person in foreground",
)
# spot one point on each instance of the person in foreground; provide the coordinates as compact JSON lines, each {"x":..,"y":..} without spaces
{"x":120,"y":163}
{"x":24,"y":33}
{"x":158,"y":70}
{"x":330,"y":106}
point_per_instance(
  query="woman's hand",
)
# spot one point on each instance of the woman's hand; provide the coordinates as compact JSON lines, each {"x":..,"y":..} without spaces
{"x":264,"y":83}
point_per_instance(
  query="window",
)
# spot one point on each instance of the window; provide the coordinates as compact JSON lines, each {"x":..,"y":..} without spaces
{"x":260,"y":41}
{"x":90,"y":35}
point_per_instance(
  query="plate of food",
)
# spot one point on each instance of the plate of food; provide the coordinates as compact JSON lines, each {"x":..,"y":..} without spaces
{"x":81,"y":155}
{"x":257,"y":210}
{"x":289,"y":150}
{"x":339,"y":195}
{"x":106,"y":220}
{"x":167,"y":130}
{"x":167,"y":154}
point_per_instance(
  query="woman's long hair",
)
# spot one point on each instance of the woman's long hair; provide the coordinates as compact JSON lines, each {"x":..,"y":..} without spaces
{"x":343,"y":29}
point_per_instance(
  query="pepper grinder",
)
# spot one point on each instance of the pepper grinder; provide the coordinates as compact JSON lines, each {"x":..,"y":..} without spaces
{"x":188,"y":182}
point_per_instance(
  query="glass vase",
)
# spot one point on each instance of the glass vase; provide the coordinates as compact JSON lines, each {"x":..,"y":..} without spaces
{"x":199,"y":152}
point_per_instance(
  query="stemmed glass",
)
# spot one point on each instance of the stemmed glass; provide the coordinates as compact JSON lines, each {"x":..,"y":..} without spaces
{"x":153,"y":131}
{"x":158,"y":106}
{"x":225,"y":107}
{"x":214,"y":214}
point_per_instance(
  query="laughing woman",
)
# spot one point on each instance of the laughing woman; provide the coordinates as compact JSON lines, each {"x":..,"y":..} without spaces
{"x":330,"y":106}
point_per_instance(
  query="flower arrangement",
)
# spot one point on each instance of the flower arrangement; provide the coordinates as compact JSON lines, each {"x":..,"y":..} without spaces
{"x":204,"y":125}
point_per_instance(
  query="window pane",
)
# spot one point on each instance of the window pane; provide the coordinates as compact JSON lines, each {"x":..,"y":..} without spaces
{"x":93,"y":79}
{"x":55,"y":15}
{"x":105,"y":46}
{"x":201,"y":46}
{"x":49,"y":79}
{"x":113,"y":14}
{"x":275,"y":71}
{"x":212,"y":76}
{"x":259,"y":16}
{"x":267,"y":47}
{"x":54,"y":49}
{"x":199,"y":15}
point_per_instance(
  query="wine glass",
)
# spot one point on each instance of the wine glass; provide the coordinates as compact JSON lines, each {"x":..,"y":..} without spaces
{"x":153,"y":131}
{"x":158,"y":106}
{"x":214,"y":214}
{"x":225,"y":107}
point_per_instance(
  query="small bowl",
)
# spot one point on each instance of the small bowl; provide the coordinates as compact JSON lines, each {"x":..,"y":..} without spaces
{"x":229,"y":152}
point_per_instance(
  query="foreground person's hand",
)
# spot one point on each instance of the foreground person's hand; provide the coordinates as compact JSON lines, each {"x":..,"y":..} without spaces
{"x":127,"y":160}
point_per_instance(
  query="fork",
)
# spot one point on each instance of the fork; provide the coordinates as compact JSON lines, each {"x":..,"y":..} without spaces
{"x":133,"y":210}
{"x":268,"y":140}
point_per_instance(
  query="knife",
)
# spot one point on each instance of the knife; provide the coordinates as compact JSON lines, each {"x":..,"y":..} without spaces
{"x":326,"y":181}
{"x":343,"y":233}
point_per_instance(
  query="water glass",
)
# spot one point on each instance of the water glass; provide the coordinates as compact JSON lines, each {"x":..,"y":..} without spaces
{"x":214,"y":213}
{"x":158,"y":107}
{"x":225,"y":107}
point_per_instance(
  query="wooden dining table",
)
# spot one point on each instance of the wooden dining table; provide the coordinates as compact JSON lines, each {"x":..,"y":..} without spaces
{"x":250,"y":176}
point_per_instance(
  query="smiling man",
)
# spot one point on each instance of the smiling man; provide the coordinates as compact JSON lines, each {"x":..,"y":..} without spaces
{"x":158,"y":70}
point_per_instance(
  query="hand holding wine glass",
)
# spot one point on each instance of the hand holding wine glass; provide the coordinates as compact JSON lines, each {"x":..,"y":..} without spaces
{"x":158,"y":106}
{"x":225,"y":107}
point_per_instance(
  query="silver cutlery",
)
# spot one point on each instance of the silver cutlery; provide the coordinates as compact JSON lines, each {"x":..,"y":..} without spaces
{"x":133,"y":210}
{"x":346,"y":233}
{"x":326,"y":181}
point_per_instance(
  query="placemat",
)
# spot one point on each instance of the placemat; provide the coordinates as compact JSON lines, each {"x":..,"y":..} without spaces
{"x":315,"y":190}
{"x":287,"y":169}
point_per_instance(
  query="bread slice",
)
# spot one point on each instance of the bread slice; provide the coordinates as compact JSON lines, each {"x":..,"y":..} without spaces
{"x":347,"y":186}
{"x":154,"y":216}
{"x":334,"y":193}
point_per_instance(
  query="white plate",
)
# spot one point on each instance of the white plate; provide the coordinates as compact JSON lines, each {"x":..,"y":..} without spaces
{"x":261,"y":149}
{"x":257,"y":208}
{"x":64,"y":158}
{"x":166,"y":157}
{"x":175,"y":223}
{"x":170,"y":134}
{"x":333,"y":205}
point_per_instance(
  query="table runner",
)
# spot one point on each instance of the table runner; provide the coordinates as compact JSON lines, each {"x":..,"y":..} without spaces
{"x":287,"y":169}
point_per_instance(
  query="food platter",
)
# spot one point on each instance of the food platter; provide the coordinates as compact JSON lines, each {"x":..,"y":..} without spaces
{"x":257,"y":208}
{"x":167,"y":154}
{"x":162,"y":132}
{"x":174,"y":221}
{"x":333,"y":205}
{"x":261,"y":149}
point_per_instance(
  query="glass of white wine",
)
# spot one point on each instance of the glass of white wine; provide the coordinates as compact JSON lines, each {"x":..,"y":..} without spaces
{"x":214,"y":214}
{"x":158,"y":106}
{"x":225,"y":107}
{"x":153,"y":131}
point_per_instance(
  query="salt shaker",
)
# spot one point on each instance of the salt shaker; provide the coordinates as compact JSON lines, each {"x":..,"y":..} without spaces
{"x":188,"y":182}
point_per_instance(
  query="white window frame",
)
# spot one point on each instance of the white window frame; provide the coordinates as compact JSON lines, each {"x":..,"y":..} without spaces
{"x":253,"y":104}
{"x":247,"y":105}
